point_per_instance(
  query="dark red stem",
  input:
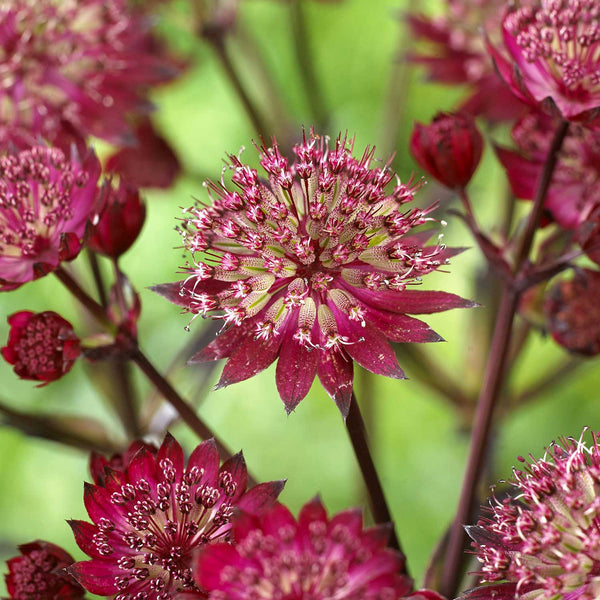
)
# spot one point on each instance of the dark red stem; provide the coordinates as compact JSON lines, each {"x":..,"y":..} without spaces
{"x":494,"y":376}
{"x":358,"y":437}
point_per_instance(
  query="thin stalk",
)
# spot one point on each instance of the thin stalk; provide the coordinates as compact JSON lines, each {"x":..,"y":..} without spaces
{"x":306,"y":65}
{"x":254,"y":115}
{"x":97,"y":274}
{"x":494,"y":375}
{"x":358,"y":437}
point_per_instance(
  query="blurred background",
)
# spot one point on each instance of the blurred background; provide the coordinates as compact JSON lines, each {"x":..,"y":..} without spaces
{"x":419,"y":436}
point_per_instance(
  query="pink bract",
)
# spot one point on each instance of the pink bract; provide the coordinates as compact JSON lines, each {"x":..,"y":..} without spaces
{"x":275,"y":556}
{"x":150,"y":519}
{"x":73,"y":69}
{"x":39,"y":574}
{"x":46,"y":204}
{"x":100,"y":465}
{"x":543,"y":541}
{"x":549,"y":53}
{"x":41,"y":346}
{"x":575,"y":187}
{"x":314,"y":266}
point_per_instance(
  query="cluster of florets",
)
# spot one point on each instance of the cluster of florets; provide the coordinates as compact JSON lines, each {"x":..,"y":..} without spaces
{"x":71,"y":69}
{"x":546,"y":539}
{"x":275,"y":556}
{"x":314,"y":265}
{"x":574,"y":191}
{"x":553,"y":48}
{"x":46,"y":203}
{"x":153,"y":514}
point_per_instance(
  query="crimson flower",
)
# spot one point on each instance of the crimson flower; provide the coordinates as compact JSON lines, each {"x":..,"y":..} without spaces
{"x":544,"y":542}
{"x":312,"y":266}
{"x":41,"y":346}
{"x":275,"y":556}
{"x":573,"y":314}
{"x":39,"y":574}
{"x":549,"y":52}
{"x":449,"y":148}
{"x":121,"y":221}
{"x":454,"y":53}
{"x":150,"y":519}
{"x":73,"y":69}
{"x":575,"y":187}
{"x":46,"y":205}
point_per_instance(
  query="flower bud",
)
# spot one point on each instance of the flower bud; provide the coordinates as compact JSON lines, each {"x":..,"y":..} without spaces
{"x":449,"y":148}
{"x":120,"y":223}
{"x":41,"y":346}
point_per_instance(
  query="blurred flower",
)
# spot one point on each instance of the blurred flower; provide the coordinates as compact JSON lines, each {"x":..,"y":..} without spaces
{"x":150,"y":519}
{"x":588,"y":233}
{"x":310,"y":267}
{"x":575,"y":186}
{"x":100,"y":466}
{"x":73,"y":69}
{"x":573,"y":312}
{"x":38,"y":574}
{"x":454,"y":53}
{"x":545,"y":542}
{"x":46,"y":204}
{"x":449,"y":148}
{"x":150,"y":162}
{"x":549,"y":53}
{"x":121,"y":221}
{"x":41,"y":346}
{"x":317,"y":557}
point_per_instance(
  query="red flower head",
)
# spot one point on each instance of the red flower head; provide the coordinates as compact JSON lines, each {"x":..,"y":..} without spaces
{"x":38,"y":574}
{"x":544,"y":542}
{"x":73,"y":69}
{"x":552,"y":48}
{"x":150,"y":519}
{"x":312,"y":267}
{"x":449,"y":149}
{"x":121,"y":221}
{"x":100,"y":466}
{"x":573,"y":313}
{"x":41,"y":346}
{"x":454,"y":53}
{"x":575,"y":186}
{"x":276,"y":556}
{"x":46,"y":203}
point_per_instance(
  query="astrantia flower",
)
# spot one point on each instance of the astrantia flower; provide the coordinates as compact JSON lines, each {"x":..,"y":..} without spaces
{"x":454,"y":53}
{"x":553,"y":54}
{"x":150,"y":519}
{"x":276,"y":556}
{"x":71,"y":69}
{"x":573,"y":313}
{"x":575,"y":187}
{"x":41,"y":346}
{"x":38,"y":574}
{"x":312,"y":267}
{"x":46,"y":203}
{"x":545,"y":541}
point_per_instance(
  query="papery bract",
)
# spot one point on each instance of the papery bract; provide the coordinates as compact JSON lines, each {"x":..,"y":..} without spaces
{"x":449,"y":148}
{"x":38,"y":574}
{"x":319,"y":557}
{"x":544,"y":541}
{"x":41,"y":346}
{"x":100,"y":465}
{"x":549,"y":56}
{"x":312,"y":267}
{"x":73,"y":69}
{"x":46,"y":205}
{"x":150,"y":519}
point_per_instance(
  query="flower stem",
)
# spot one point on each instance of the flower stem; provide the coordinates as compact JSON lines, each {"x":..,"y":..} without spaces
{"x":494,"y":375}
{"x":306,"y":65}
{"x":218,"y":45}
{"x":358,"y":437}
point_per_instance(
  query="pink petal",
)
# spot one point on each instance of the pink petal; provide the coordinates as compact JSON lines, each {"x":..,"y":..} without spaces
{"x":98,"y":504}
{"x":222,"y":346}
{"x":296,"y":370}
{"x":84,"y":533}
{"x":401,"y":328}
{"x":171,"y":450}
{"x":205,"y":456}
{"x":236,"y":465}
{"x":335,"y":371}
{"x":523,"y":174}
{"x":212,"y":560}
{"x":261,"y":497}
{"x":97,"y":577}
